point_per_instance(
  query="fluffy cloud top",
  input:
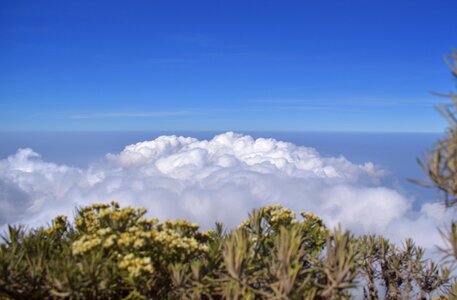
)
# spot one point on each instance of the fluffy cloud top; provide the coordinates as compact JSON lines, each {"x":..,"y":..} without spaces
{"x":220,"y":179}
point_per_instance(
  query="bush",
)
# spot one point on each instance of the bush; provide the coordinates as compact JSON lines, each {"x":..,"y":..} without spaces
{"x":110,"y":252}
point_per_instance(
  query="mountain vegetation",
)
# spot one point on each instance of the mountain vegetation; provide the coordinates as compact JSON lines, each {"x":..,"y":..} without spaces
{"x":110,"y":252}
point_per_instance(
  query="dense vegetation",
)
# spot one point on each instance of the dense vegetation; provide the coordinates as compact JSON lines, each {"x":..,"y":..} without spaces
{"x":113,"y":253}
{"x":110,"y":252}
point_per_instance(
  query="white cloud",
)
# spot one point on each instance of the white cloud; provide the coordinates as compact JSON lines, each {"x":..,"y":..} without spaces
{"x":216,"y":180}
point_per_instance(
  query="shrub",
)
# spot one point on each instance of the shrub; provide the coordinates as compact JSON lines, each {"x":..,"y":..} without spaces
{"x":110,"y":252}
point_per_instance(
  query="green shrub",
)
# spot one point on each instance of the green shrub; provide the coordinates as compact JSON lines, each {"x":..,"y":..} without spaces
{"x":110,"y":252}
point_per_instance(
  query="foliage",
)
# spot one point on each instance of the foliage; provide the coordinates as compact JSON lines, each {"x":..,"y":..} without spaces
{"x":441,"y":163}
{"x":110,"y":252}
{"x":441,"y":168}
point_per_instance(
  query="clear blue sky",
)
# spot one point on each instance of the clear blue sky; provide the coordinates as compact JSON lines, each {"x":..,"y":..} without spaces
{"x":330,"y":65}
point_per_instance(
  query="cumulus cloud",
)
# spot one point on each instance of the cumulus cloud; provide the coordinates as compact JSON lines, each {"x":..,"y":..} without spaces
{"x":221,"y":179}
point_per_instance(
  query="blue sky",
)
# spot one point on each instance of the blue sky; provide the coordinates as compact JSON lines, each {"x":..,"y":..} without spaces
{"x":327,"y":65}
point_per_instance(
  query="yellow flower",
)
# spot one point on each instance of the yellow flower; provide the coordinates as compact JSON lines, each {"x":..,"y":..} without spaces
{"x":125,"y":239}
{"x":109,"y":241}
{"x":85,"y":244}
{"x":138,"y":243}
{"x":136,"y":265}
{"x":104,"y":231}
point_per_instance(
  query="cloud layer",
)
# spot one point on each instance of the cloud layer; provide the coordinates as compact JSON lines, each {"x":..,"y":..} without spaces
{"x":220,"y":179}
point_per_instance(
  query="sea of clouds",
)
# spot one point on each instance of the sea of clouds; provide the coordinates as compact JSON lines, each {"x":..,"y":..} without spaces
{"x":221,"y":179}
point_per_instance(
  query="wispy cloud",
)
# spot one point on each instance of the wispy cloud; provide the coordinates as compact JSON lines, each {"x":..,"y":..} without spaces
{"x":329,"y":103}
{"x":148,"y":114}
